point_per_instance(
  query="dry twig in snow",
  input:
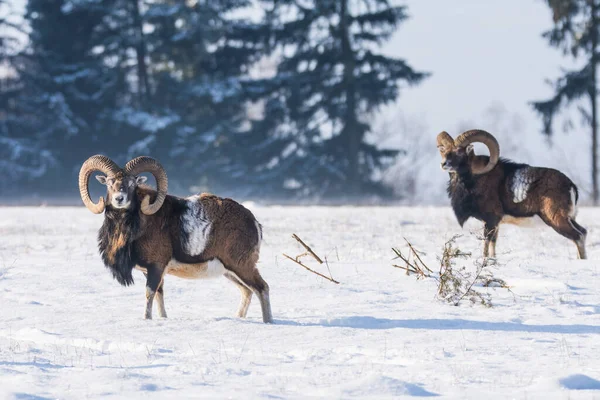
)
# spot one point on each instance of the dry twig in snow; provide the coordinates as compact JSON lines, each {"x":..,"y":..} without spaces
{"x":309,"y":251}
{"x":454,"y":283}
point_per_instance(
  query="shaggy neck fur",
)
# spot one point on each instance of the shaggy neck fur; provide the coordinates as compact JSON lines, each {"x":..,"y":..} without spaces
{"x":459,"y":190}
{"x":115,"y":241}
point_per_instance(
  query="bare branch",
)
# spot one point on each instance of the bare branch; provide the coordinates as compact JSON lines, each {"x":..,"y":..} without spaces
{"x":411,"y":267}
{"x":417,"y":255}
{"x":308,"y":249}
{"x":314,"y":272}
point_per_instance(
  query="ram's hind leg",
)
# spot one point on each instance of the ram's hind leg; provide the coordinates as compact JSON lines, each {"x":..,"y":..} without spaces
{"x":250,"y":277}
{"x":261,"y":288}
{"x":580,"y":243}
{"x":567,"y":227}
{"x":245,"y":292}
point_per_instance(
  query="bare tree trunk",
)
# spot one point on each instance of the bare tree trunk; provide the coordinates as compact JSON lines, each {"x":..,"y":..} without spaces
{"x":593,"y":98}
{"x":351,"y":129}
{"x":594,"y":146}
{"x":140,"y":49}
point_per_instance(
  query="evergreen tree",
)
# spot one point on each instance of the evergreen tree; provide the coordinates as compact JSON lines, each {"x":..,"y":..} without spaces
{"x":86,"y":82}
{"x":8,"y":41}
{"x":134,"y":121}
{"x":575,"y":31}
{"x":21,"y":160}
{"x":131,"y":77}
{"x":313,"y":139}
{"x":8,"y":48}
{"x":66,"y":87}
{"x":198,"y":54}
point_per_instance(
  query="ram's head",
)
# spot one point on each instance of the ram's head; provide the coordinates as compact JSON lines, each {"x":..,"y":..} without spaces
{"x":458,"y":155}
{"x":121,"y":183}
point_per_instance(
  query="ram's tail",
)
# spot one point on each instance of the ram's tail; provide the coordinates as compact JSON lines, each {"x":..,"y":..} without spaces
{"x":574,"y":199}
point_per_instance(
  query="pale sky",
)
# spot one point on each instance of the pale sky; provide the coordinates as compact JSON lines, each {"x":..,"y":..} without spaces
{"x":480,"y":52}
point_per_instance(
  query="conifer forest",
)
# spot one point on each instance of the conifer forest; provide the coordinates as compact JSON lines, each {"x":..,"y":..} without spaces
{"x":261,"y":99}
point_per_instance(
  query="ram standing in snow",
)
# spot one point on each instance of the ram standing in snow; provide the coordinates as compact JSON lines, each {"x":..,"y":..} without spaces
{"x":196,"y":237}
{"x":495,"y":190}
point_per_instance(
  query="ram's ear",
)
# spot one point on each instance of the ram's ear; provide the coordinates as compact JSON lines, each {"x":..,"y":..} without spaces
{"x":140,"y":179}
{"x":101,"y":179}
{"x":470,"y":150}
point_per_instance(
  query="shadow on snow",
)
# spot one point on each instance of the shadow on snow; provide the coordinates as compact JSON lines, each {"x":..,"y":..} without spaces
{"x":366,"y":322}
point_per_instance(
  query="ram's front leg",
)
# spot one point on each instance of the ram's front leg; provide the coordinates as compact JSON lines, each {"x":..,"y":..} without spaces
{"x":490,"y":233}
{"x":154,"y":276}
{"x":160,"y":298}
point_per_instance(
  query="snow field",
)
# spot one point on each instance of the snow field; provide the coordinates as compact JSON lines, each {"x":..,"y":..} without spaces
{"x":68,"y":331}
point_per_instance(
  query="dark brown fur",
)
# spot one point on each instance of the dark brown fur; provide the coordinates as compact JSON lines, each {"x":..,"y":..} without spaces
{"x":152,"y":241}
{"x":490,"y":197}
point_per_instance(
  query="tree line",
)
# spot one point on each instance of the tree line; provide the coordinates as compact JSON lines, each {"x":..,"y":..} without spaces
{"x":181,"y":80}
{"x":261,"y":98}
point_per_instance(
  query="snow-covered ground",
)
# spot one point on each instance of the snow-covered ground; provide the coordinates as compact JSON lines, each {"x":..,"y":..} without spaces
{"x":68,"y":331}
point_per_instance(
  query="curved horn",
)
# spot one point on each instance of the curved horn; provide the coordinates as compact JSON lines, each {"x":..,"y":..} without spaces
{"x":444,"y":142}
{"x":149,"y":164}
{"x":477,"y":135}
{"x":94,"y":163}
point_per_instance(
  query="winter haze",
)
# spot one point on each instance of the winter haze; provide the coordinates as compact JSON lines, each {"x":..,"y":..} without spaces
{"x":488,"y":61}
{"x":264,"y":111}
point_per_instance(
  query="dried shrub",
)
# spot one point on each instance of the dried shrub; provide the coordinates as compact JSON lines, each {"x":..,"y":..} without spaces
{"x":455,"y":282}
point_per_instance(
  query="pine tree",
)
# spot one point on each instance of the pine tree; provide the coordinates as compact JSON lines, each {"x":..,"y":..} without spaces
{"x":133,"y":122}
{"x":330,"y":79}
{"x":198,"y":54}
{"x":21,"y":159}
{"x":131,"y":77}
{"x":9,"y":45}
{"x":575,"y":31}
{"x":66,"y":86}
{"x":8,"y":29}
{"x":86,"y":82}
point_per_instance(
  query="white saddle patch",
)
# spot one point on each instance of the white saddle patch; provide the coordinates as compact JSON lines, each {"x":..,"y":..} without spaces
{"x":211,"y":269}
{"x":520,"y":184}
{"x":197,"y":226}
